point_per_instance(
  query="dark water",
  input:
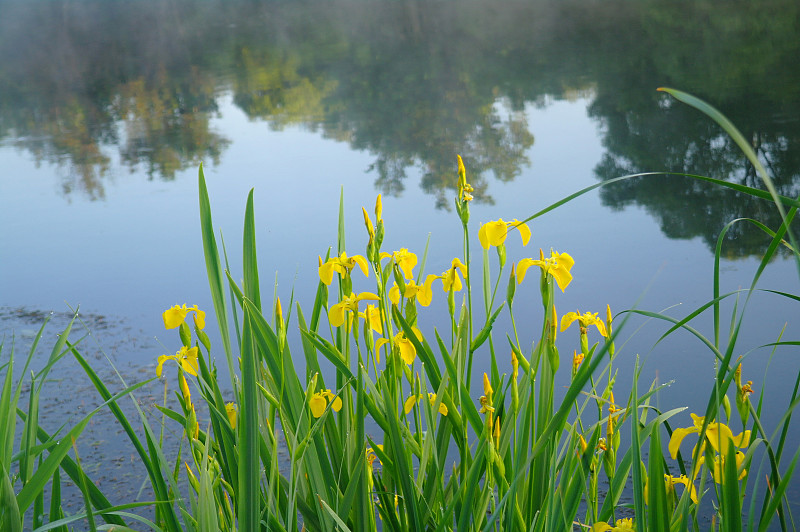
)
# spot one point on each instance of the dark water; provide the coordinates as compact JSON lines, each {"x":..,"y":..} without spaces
{"x":108,"y":108}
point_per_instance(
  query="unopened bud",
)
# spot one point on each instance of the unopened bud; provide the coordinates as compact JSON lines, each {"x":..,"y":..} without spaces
{"x":512,"y":286}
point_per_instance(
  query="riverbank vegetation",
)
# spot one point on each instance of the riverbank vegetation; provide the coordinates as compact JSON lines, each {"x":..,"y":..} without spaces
{"x":373,"y":421}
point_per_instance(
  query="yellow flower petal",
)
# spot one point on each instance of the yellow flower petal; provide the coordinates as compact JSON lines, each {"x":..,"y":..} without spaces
{"x":677,"y":437}
{"x":199,"y":318}
{"x":188,"y":359}
{"x":493,"y":233}
{"x":230,"y":409}
{"x":317,"y":404}
{"x":522,"y":268}
{"x":394,"y":294}
{"x":407,"y":350}
{"x":524,"y":231}
{"x":326,"y":273}
{"x":409,"y":404}
{"x":567,"y":319}
{"x":562,"y":277}
{"x":425,"y":293}
{"x":336,"y":314}
{"x":362,"y":263}
{"x":174,"y":316}
{"x":161,"y":360}
{"x":442,"y":407}
{"x":336,"y":401}
{"x":406,"y":260}
{"x":487,"y":386}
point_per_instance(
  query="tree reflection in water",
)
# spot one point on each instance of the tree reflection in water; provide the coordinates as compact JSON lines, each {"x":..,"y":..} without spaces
{"x":413,"y":83}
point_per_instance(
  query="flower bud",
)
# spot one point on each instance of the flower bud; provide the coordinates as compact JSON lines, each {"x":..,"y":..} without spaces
{"x":726,"y":405}
{"x":609,"y":331}
{"x":399,"y":280}
{"x":512,"y":286}
{"x":185,"y":334}
{"x":501,"y":255}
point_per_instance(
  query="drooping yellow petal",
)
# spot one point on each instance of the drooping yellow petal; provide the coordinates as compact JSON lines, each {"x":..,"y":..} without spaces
{"x":425,"y":293}
{"x":524,"y":231}
{"x":407,"y":350}
{"x":406,"y":260}
{"x":394,"y":294}
{"x":687,"y":483}
{"x":326,"y":272}
{"x":409,"y":404}
{"x":677,"y":437}
{"x":160,"y":366}
{"x":188,"y":359}
{"x":317,"y":404}
{"x":601,"y":327}
{"x":522,"y":268}
{"x":567,"y":319}
{"x":742,"y":440}
{"x":451,"y":280}
{"x":362,"y":263}
{"x":336,"y":401}
{"x":456,"y":263}
{"x":562,"y":277}
{"x":601,"y":526}
{"x":493,"y":233}
{"x":366,"y":296}
{"x":380,"y":343}
{"x":336,"y":314}
{"x":199,"y":318}
{"x":564,"y":260}
{"x":230,"y":409}
{"x":372,"y":315}
{"x":720,"y":437}
{"x":442,"y":407}
{"x":174,"y":316}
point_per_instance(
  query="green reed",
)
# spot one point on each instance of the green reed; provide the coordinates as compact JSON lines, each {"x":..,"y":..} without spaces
{"x":396,"y":439}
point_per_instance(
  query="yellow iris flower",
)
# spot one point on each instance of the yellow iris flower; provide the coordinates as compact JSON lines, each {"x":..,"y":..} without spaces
{"x":577,"y":360}
{"x":186,"y":357}
{"x":464,"y":188}
{"x":622,"y":525}
{"x":495,"y":233}
{"x":450,"y":278}
{"x":422,"y":293}
{"x":718,"y":435}
{"x":342,"y":265}
{"x":405,"y":260}
{"x":337,"y":313}
{"x":372,"y":315}
{"x":407,"y":350}
{"x":412,"y":400}
{"x":233,"y":414}
{"x":670,"y":482}
{"x":173,"y":317}
{"x":371,"y":456}
{"x":558,"y":265}
{"x":319,"y":402}
{"x":719,"y":466}
{"x":585,"y":319}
